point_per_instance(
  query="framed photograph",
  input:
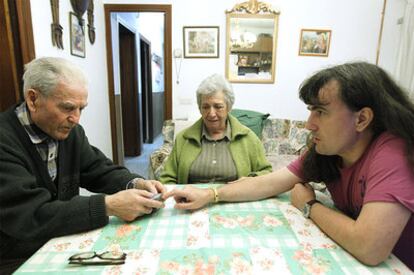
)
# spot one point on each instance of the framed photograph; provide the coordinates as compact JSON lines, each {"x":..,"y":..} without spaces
{"x":201,"y":42}
{"x":314,"y":42}
{"x":77,"y":36}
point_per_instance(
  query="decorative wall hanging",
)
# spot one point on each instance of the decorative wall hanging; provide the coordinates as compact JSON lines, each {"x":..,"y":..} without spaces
{"x":251,"y":39}
{"x":79,"y":7}
{"x":201,"y":42}
{"x":77,"y":36}
{"x":57,"y":29}
{"x":91,"y":27}
{"x":314,"y":42}
{"x":178,"y":55}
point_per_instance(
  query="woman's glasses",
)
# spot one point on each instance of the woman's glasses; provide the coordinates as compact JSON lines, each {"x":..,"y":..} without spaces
{"x":105,"y":258}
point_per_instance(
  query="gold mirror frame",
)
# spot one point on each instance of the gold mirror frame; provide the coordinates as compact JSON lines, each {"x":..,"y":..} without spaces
{"x":251,"y":40}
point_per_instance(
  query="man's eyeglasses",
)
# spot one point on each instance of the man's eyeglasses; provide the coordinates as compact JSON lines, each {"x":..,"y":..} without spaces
{"x":105,"y":258}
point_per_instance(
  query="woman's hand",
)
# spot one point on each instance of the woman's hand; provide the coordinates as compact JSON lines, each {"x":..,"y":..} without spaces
{"x":190,"y":198}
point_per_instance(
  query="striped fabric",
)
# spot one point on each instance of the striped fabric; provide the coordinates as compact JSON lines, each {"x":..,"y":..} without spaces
{"x":215,"y":163}
{"x":46,"y":146}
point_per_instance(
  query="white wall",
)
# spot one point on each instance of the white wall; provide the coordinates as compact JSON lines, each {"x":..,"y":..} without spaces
{"x":355,"y":28}
{"x":95,"y":118}
{"x":394,"y":11}
{"x":151,"y":26}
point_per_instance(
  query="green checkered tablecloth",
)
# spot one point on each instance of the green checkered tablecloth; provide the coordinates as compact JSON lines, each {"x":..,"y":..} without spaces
{"x":263,"y":237}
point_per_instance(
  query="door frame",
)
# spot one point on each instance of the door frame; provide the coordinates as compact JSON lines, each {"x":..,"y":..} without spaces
{"x":17,"y":44}
{"x":167,"y":10}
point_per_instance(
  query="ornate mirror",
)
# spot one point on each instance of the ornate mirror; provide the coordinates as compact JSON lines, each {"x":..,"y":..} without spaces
{"x":251,"y":43}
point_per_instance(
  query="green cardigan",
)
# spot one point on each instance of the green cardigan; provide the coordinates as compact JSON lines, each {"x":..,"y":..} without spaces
{"x":245,"y":147}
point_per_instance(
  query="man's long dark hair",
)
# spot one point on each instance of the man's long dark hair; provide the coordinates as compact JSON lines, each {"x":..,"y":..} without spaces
{"x":360,"y":85}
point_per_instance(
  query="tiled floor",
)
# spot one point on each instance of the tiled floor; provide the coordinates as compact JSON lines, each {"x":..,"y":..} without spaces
{"x":140,"y":164}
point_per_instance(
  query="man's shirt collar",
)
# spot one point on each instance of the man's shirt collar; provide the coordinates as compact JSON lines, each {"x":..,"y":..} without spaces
{"x":36,"y":135}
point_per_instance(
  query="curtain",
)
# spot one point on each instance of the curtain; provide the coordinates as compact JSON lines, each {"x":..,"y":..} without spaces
{"x":405,"y":56}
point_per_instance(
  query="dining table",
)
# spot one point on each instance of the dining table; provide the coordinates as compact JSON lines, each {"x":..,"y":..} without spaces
{"x":268,"y":236}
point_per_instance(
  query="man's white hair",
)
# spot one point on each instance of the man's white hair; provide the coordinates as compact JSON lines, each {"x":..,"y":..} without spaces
{"x":45,"y":73}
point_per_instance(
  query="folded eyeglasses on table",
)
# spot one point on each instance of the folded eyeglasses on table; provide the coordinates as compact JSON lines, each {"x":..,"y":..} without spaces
{"x":93,"y":258}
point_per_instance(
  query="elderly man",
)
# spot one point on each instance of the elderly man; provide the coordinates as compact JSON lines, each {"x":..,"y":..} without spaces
{"x":45,"y":157}
{"x":362,"y":148}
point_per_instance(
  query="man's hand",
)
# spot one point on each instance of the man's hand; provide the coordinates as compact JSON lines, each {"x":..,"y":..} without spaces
{"x":190,"y":197}
{"x":301,"y":194}
{"x":152,"y":186}
{"x":130,"y":204}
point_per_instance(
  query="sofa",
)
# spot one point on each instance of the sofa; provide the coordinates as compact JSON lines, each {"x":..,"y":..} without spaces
{"x":283,"y":141}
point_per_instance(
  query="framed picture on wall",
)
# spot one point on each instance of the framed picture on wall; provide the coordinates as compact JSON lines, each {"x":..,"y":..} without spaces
{"x":314,"y":42}
{"x":77,"y":36}
{"x":201,"y":42}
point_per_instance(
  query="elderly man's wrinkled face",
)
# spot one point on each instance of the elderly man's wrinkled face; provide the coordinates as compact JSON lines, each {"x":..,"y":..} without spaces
{"x":59,"y":112}
{"x":214,"y":112}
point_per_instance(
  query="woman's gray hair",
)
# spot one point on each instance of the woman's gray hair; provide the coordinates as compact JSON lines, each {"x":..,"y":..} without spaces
{"x":213,"y":84}
{"x":45,"y":73}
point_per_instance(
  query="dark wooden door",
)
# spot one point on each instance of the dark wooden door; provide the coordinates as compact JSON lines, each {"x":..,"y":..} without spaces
{"x":146,"y":84}
{"x":16,"y":49}
{"x":131,"y":125}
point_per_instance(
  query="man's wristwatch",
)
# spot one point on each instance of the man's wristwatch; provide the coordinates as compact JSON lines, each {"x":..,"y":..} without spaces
{"x":307,"y":208}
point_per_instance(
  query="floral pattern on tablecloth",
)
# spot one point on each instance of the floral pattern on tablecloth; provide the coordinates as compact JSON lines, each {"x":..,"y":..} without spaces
{"x":198,"y":228}
{"x":307,"y":233}
{"x":262,"y":237}
{"x":77,"y":242}
{"x":264,"y":222}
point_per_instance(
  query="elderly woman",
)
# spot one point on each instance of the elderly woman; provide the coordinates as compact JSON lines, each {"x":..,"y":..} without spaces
{"x":216,"y":148}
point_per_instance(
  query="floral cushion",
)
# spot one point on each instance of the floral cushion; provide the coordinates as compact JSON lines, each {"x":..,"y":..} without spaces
{"x":284,"y":136}
{"x":280,"y":161}
{"x":168,"y":131}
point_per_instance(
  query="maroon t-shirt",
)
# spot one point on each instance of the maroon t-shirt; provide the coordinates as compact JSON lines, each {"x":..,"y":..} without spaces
{"x":381,"y":174}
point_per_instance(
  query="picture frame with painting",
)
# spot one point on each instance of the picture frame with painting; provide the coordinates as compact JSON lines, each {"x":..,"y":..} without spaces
{"x":201,"y":41}
{"x":77,"y":36}
{"x":314,"y":42}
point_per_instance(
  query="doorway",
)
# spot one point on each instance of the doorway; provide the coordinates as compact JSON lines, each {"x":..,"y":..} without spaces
{"x":113,"y":74}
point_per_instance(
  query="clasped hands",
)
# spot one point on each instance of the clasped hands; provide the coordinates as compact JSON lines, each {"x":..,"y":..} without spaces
{"x":132,"y":203}
{"x":301,"y":194}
